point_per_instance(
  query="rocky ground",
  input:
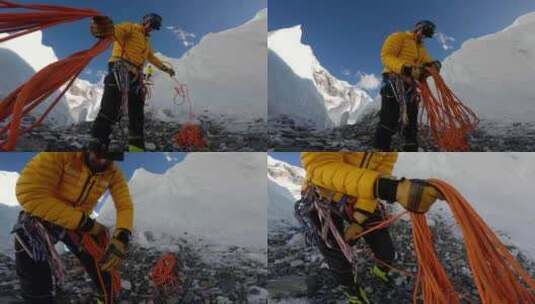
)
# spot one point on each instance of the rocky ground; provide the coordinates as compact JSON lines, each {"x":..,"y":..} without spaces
{"x":298,"y":274}
{"x":221,"y":134}
{"x":285,"y":135}
{"x":228,"y":276}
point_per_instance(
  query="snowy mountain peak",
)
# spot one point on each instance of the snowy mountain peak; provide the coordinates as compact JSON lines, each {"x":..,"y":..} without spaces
{"x":8,"y":180}
{"x":286,"y":175}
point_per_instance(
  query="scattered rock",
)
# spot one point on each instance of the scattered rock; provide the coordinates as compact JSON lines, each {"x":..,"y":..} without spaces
{"x":208,"y":275}
{"x":284,"y":135}
{"x":221,"y":134}
{"x":297,"y":273}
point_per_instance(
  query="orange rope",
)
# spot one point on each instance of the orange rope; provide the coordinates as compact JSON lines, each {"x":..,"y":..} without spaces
{"x":164,"y":275}
{"x":51,"y":78}
{"x":498,"y":277}
{"x":189,"y":137}
{"x":449,"y":120}
{"x":97,"y":249}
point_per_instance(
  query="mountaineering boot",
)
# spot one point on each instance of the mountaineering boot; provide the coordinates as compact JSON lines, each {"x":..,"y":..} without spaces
{"x":132,"y":148}
{"x":356,"y":295}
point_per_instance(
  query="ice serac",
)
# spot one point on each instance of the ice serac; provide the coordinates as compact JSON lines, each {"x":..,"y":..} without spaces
{"x":226,"y":74}
{"x":220,"y":197}
{"x":304,"y":90}
{"x":8,"y":180}
{"x":284,"y":188}
{"x":494,"y":74}
{"x":22,"y":57}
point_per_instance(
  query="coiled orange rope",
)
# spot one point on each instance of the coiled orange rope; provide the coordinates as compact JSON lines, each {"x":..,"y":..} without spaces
{"x":164,"y":275}
{"x":498,"y":277}
{"x":449,"y":120}
{"x":51,"y":78}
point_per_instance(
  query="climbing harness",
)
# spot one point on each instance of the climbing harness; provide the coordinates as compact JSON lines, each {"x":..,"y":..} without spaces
{"x":38,"y":243}
{"x":486,"y":254}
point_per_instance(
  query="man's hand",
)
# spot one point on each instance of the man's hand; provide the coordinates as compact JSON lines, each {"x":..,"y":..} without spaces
{"x":435,"y":64}
{"x":414,"y":195}
{"x":116,"y":250}
{"x":102,"y":27}
{"x":169,"y":70}
{"x":410,"y":73}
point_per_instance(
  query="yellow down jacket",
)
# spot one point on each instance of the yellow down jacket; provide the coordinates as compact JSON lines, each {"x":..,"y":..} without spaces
{"x":58,"y":187}
{"x":348,"y":173}
{"x":402,"y":49}
{"x":132,"y":45}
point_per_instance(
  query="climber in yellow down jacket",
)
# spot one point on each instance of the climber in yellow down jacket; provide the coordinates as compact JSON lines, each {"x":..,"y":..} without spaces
{"x":405,"y":58}
{"x":131,"y":50}
{"x":354,"y":183}
{"x":57,"y":193}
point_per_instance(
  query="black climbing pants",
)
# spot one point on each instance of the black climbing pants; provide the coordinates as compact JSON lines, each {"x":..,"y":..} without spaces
{"x":110,"y":111}
{"x":379,"y":242}
{"x":389,"y":116}
{"x":36,"y":277}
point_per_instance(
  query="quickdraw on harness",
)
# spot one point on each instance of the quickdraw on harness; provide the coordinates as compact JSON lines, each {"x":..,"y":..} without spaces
{"x":59,"y":75}
{"x":96,"y":248}
{"x":164,"y":275}
{"x":38,"y":243}
{"x":189,"y":136}
{"x":312,"y":201}
{"x":449,"y":120}
{"x":126,"y":75}
{"x":403,"y":95}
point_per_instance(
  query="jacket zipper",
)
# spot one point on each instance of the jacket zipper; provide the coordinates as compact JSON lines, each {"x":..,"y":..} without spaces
{"x":93,"y":182}
{"x":83,"y":190}
{"x":363,"y":160}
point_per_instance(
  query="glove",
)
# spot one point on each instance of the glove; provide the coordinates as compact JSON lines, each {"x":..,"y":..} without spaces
{"x":116,"y":250}
{"x":169,"y":70}
{"x":414,"y":195}
{"x":102,"y":27}
{"x":90,"y":226}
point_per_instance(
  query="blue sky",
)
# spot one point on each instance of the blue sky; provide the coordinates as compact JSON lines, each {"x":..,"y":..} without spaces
{"x":347,"y":36}
{"x":198,"y":17}
{"x":289,"y":157}
{"x":153,"y":162}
